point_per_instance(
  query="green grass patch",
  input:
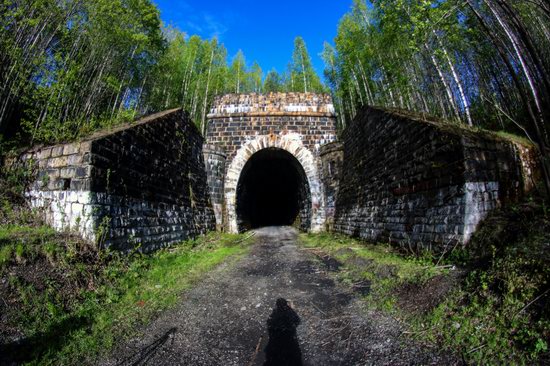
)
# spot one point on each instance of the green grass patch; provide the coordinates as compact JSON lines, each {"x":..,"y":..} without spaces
{"x":494,"y":309}
{"x":19,"y":243}
{"x":81,"y":302}
{"x":522,"y":140}
{"x":381,"y":265}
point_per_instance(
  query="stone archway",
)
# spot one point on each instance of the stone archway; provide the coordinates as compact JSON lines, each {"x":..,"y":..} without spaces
{"x":291,"y":143}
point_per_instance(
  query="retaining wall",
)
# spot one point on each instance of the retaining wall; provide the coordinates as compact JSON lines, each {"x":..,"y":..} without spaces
{"x":143,"y":184}
{"x":422,"y":183}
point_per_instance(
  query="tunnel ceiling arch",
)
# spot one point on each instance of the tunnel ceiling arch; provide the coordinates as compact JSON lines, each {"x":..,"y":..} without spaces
{"x":291,"y":144}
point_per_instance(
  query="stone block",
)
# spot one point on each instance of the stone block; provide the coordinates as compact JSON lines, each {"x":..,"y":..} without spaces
{"x":55,"y":184}
{"x":57,"y":162}
{"x":57,"y":151}
{"x":75,"y":159}
{"x":77,"y":210}
{"x":85,"y":146}
{"x":70,"y":149}
{"x":83,"y":172}
{"x":44,"y":154}
{"x":77,"y":184}
{"x":67,"y":172}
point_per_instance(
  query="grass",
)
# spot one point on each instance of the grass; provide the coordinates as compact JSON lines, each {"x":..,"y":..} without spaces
{"x":522,"y":140}
{"x":496,"y":312}
{"x":18,"y":243}
{"x":382,"y":266}
{"x":500,"y":314}
{"x":81,"y":302}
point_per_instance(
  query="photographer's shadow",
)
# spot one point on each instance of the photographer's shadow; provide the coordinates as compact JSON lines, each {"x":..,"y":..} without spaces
{"x":283,"y":348}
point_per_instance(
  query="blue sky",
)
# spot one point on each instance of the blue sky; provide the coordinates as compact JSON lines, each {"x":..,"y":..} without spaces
{"x":264,"y":30}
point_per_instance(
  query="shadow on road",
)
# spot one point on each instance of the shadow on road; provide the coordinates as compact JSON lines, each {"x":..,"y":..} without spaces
{"x":283,"y":348}
{"x":149,"y":351}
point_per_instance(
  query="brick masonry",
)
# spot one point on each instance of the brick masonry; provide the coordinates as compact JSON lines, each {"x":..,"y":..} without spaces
{"x":239,"y":125}
{"x":391,"y":177}
{"x":143,"y":184}
{"x":215,"y":160}
{"x":332,"y":156}
{"x":421,"y":183}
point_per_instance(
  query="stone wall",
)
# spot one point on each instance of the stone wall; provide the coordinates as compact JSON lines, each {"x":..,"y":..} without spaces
{"x":332,"y":156}
{"x":237,"y":118}
{"x":62,"y":187}
{"x":215,"y":159}
{"x":240,"y":125}
{"x":143,"y":184}
{"x":422,"y":183}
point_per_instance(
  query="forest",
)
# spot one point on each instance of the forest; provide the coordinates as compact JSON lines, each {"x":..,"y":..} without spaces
{"x":483,"y":63}
{"x":70,"y":67}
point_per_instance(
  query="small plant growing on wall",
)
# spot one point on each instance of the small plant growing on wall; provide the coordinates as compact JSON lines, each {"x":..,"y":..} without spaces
{"x":108,"y":180}
{"x":102,"y":231}
{"x":45,"y":180}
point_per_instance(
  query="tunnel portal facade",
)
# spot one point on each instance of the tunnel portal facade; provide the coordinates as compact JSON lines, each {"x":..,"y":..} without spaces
{"x":270,"y":160}
{"x":274,"y":160}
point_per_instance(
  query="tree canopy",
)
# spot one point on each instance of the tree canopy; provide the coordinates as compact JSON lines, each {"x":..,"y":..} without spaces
{"x":70,"y":67}
{"x":484,"y":63}
{"x":303,"y":77}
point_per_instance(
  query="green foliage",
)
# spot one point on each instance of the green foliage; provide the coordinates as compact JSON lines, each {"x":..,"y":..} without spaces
{"x":193,"y":71}
{"x":302,"y":77}
{"x":238,"y":78}
{"x":6,"y":254}
{"x":273,"y":82}
{"x":442,"y":59}
{"x":102,"y":296}
{"x":74,"y":65}
{"x":18,"y":243}
{"x":497,"y":315}
{"x":14,"y":181}
{"x":187,"y":75}
{"x":489,"y":319}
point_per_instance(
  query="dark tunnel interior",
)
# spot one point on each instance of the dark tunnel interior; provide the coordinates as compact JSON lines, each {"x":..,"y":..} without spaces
{"x":273,"y":191}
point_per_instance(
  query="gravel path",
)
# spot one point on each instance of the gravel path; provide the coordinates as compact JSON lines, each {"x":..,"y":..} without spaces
{"x":223,"y":320}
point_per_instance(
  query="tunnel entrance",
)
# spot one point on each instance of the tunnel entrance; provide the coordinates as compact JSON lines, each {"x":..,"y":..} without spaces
{"x":273,"y":190}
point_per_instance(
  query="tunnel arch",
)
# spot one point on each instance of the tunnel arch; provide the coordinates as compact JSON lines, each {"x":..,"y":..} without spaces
{"x":290,"y":143}
{"x":273,"y":191}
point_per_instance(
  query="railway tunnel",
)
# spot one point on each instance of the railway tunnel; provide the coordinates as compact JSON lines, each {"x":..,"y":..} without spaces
{"x":273,"y":190}
{"x":264,"y":160}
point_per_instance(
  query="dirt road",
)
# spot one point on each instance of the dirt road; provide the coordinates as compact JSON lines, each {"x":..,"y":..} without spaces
{"x":223,"y":320}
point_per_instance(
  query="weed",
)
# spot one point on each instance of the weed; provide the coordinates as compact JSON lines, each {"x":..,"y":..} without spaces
{"x":88,"y":300}
{"x":102,"y":231}
{"x":6,"y":254}
{"x":498,"y":313}
{"x":19,"y":253}
{"x":50,"y":251}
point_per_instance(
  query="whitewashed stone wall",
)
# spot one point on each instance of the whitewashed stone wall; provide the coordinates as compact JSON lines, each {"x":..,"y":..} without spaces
{"x":66,"y":210}
{"x":140,"y":185}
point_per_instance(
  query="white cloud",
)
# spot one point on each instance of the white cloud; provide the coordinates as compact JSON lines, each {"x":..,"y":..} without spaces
{"x":214,"y":27}
{"x":183,"y":16}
